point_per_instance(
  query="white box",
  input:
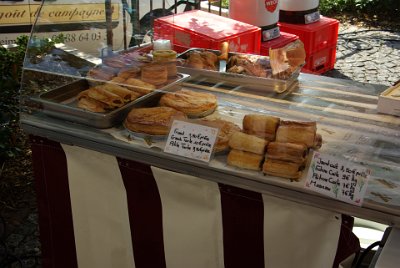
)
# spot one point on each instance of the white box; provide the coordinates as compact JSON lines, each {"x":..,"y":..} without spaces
{"x":389,"y":100}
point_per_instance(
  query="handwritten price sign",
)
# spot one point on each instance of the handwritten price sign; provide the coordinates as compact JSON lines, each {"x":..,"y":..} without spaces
{"x":191,"y":140}
{"x":337,"y":179}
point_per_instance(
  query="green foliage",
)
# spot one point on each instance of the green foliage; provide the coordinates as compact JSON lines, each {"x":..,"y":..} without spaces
{"x":373,"y":8}
{"x":11,"y":61}
{"x":10,"y":68}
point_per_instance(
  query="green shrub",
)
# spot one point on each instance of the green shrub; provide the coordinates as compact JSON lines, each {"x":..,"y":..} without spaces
{"x":385,"y":9}
{"x":10,"y":67}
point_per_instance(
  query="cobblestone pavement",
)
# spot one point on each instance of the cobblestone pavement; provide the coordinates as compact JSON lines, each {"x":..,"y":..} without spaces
{"x":367,"y":55}
{"x":364,"y":55}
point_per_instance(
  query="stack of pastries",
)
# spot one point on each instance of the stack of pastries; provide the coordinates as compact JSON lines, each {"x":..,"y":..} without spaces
{"x":139,"y":75}
{"x":247,"y":151}
{"x":105,"y":97}
{"x":277,"y":147}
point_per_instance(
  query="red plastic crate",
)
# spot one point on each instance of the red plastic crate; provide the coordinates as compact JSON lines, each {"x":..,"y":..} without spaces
{"x":320,"y":61}
{"x":202,"y":29}
{"x":315,"y":36}
{"x":281,"y":41}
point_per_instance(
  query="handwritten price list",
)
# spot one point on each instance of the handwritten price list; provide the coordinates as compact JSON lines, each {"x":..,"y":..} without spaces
{"x":191,"y":140}
{"x":337,"y":179}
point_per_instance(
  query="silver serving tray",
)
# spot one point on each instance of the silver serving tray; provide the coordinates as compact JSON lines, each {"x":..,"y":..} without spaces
{"x":62,"y":103}
{"x":259,"y":83}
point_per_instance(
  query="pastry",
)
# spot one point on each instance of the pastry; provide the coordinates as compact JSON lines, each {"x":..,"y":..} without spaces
{"x":226,"y":129}
{"x":249,"y":143}
{"x":297,"y":132}
{"x":153,"y":121}
{"x":102,"y":73}
{"x":290,"y":152}
{"x":89,"y":104}
{"x":139,"y":86}
{"x":154,"y":74}
{"x":126,"y":94}
{"x":283,"y":169}
{"x":105,"y":96}
{"x":192,"y":103}
{"x":244,"y":160}
{"x":130,"y":72}
{"x":263,"y":126}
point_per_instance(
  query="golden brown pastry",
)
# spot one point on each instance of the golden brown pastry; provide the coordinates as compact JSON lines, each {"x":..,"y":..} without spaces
{"x":103,"y":95}
{"x":102,"y":73}
{"x":153,"y":120}
{"x":192,"y":103}
{"x":89,"y":104}
{"x":129,"y":72}
{"x":317,"y":141}
{"x":263,"y":126}
{"x":249,"y":143}
{"x":154,"y":74}
{"x":297,"y":132}
{"x":126,"y":94}
{"x":226,"y":130}
{"x":283,"y":169}
{"x":244,"y":160}
{"x":139,"y":86}
{"x":291,"y":152}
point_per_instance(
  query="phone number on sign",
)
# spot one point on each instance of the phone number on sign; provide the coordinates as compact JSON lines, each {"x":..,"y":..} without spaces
{"x":82,"y":37}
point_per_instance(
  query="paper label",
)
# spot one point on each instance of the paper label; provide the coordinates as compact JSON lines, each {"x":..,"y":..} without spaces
{"x":338,"y":179}
{"x":191,"y":140}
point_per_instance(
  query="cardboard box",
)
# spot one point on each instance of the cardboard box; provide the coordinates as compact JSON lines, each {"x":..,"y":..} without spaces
{"x":200,"y":29}
{"x":389,"y":100}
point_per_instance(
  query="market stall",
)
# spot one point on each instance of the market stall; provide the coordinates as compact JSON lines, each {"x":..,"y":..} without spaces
{"x":143,"y":159}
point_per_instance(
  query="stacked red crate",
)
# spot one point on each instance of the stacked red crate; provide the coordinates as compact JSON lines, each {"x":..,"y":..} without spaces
{"x":320,"y":40}
{"x":281,"y":41}
{"x":206,"y":30}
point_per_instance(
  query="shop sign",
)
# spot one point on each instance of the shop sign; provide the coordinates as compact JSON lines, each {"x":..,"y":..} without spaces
{"x":338,"y":179}
{"x":191,"y":140}
{"x":59,"y":13}
{"x":271,"y":5}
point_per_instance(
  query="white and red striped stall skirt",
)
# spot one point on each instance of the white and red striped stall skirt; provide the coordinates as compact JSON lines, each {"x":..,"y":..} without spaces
{"x":97,"y":210}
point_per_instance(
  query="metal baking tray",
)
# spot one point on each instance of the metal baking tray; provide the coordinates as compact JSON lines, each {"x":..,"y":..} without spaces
{"x":259,"y":83}
{"x":62,"y":103}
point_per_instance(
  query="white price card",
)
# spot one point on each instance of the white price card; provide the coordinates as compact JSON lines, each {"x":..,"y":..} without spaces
{"x":338,"y":179}
{"x":191,"y":140}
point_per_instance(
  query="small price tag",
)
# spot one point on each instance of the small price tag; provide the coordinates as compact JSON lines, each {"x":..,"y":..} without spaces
{"x":191,"y":140}
{"x":312,"y":17}
{"x":270,"y":34}
{"x":337,"y":179}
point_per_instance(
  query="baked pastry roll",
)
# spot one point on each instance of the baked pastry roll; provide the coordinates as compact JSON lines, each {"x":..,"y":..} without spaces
{"x":103,"y":95}
{"x":192,"y":103}
{"x":89,"y":104}
{"x":139,"y":86}
{"x":245,"y":160}
{"x":249,"y":143}
{"x":297,"y":132}
{"x":291,"y":152}
{"x":153,"y":120}
{"x":226,"y":130}
{"x":126,"y":94}
{"x":283,"y":169}
{"x":263,"y":126}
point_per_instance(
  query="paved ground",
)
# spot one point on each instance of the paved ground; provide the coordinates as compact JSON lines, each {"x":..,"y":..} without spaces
{"x":367,"y":55}
{"x":363,"y":55}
